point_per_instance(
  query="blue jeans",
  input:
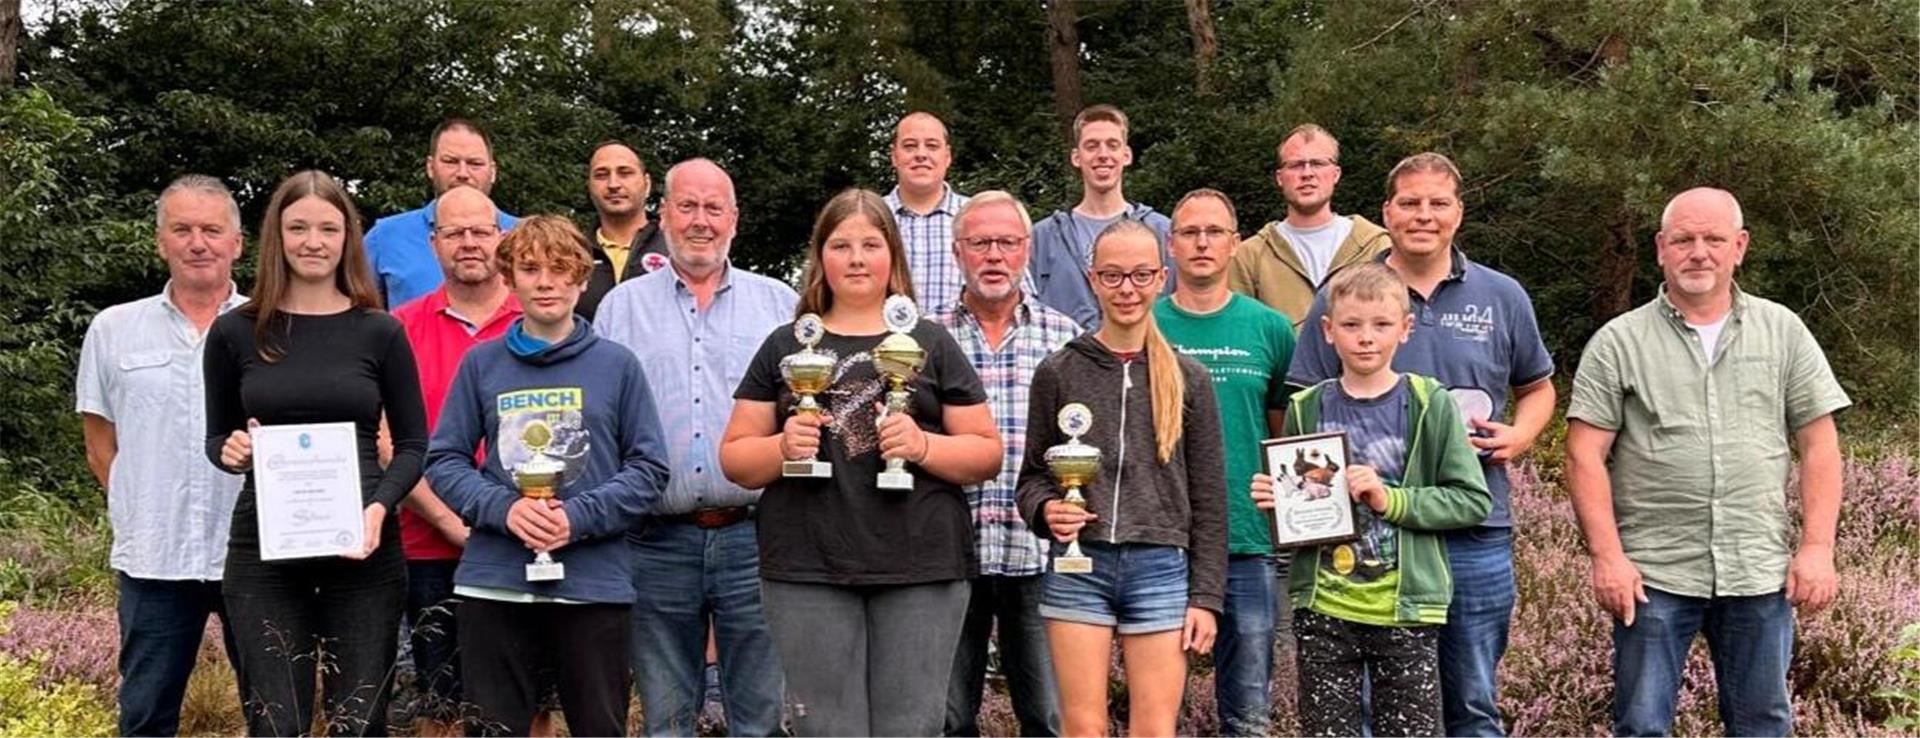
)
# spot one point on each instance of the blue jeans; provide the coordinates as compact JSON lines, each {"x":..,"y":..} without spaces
{"x":1013,"y":603}
{"x":1750,"y":638}
{"x":161,"y":623}
{"x":684,"y":576}
{"x":1243,"y":652}
{"x":1475,"y":636}
{"x":1135,"y":588}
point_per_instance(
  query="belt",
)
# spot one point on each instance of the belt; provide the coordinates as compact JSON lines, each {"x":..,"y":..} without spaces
{"x":711,"y":517}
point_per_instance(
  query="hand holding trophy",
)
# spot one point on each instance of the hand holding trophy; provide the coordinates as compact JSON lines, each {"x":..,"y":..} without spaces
{"x":539,"y":478}
{"x":898,"y":358}
{"x":807,"y":373}
{"x":1073,"y":465}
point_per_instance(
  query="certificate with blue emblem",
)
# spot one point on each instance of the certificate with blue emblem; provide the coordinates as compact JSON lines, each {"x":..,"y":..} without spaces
{"x":307,"y":490}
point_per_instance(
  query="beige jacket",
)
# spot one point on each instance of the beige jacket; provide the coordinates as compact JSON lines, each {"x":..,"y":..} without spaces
{"x":1267,"y":269}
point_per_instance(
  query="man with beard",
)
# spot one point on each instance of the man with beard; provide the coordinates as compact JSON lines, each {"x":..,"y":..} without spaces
{"x":472,"y":305}
{"x":626,"y":243}
{"x":695,"y":326}
{"x":397,"y":246}
{"x":1005,"y":332}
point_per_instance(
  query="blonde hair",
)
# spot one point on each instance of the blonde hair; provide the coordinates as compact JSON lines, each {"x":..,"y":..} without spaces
{"x":1306,"y":132}
{"x":1165,"y":380}
{"x":816,"y":296}
{"x":1366,"y":283}
{"x":550,"y":239}
{"x":1098,"y":114}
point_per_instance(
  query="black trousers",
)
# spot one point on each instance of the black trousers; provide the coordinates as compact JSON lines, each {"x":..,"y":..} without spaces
{"x":331,"y":617}
{"x":510,"y":651}
{"x":1335,"y":656}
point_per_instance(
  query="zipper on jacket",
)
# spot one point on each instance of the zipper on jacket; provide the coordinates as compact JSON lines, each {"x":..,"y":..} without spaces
{"x":1120,"y":466}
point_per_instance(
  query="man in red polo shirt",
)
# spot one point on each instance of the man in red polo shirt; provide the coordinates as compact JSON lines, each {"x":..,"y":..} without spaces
{"x":472,"y":305}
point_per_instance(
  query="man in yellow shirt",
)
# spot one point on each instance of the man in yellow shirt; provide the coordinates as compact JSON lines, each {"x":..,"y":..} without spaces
{"x":626,"y":243}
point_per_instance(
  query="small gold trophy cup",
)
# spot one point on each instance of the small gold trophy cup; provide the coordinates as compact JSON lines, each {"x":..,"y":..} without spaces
{"x":807,"y":373}
{"x":538,"y":478}
{"x":1073,"y":465}
{"x":898,"y":358}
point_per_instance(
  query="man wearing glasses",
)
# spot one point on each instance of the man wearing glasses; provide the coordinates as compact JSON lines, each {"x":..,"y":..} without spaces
{"x":397,"y":245}
{"x":472,"y":305}
{"x":1246,"y":347}
{"x":1005,"y":331}
{"x":1286,"y":262}
{"x":1063,"y":243}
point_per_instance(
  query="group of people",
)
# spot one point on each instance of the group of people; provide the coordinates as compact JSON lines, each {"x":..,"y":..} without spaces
{"x":644,"y":363}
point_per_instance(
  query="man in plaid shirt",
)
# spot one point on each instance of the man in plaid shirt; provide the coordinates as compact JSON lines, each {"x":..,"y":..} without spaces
{"x":925,"y":207}
{"x":1005,"y":331}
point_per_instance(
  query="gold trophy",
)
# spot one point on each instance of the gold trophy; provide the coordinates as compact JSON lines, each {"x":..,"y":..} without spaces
{"x":539,"y":478}
{"x":898,"y":358}
{"x":807,"y":373}
{"x":1073,"y":465}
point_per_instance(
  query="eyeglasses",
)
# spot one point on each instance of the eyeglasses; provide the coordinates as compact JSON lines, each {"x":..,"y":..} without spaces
{"x":1301,"y":165}
{"x":1006,"y":244}
{"x":469,"y":232}
{"x":1212,"y":233}
{"x":1111,"y":278}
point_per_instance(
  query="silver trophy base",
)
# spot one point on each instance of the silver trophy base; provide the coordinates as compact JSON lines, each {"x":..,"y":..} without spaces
{"x":545,"y":569}
{"x":806,"y":468}
{"x":899,"y":480}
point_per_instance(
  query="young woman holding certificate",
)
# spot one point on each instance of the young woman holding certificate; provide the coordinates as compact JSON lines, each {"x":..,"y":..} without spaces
{"x":314,"y":348}
{"x":1154,"y":521}
{"x":864,"y":584}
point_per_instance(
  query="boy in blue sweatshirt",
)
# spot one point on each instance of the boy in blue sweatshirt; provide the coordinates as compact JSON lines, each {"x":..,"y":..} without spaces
{"x":1373,"y":607}
{"x":550,"y":396}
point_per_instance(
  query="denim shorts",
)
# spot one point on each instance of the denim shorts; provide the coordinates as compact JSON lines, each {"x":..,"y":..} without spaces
{"x":1135,"y":587}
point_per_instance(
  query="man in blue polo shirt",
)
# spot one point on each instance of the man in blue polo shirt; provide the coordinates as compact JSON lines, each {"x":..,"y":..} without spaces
{"x":1475,"y":332}
{"x":397,"y":245}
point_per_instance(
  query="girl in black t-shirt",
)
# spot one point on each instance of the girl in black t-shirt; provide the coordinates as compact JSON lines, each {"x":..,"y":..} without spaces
{"x":314,"y":347}
{"x":864,"y":588}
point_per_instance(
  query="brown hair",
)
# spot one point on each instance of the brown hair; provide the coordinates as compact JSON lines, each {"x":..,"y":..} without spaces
{"x":1306,"y":132}
{"x":1209,"y":193}
{"x":550,"y":239}
{"x":1368,"y":282}
{"x":458,"y":124}
{"x":815,"y":296}
{"x":1421,"y":163}
{"x":1165,"y":380}
{"x":1098,"y":113}
{"x":353,"y":276}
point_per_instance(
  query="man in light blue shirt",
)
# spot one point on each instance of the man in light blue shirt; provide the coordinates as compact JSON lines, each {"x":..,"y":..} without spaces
{"x":695,"y":327}
{"x":143,"y":412}
{"x":397,"y":246}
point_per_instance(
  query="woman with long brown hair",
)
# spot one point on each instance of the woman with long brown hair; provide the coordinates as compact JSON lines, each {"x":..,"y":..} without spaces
{"x":864,"y":587}
{"x":314,"y":346}
{"x":1154,"y":522}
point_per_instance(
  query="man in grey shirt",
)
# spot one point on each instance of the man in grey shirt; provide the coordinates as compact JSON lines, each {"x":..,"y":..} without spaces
{"x":695,"y":326}
{"x":1685,"y":415}
{"x":1063,"y":242}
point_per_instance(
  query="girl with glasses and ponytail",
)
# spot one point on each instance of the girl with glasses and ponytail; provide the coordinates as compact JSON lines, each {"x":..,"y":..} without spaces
{"x":1155,"y":522}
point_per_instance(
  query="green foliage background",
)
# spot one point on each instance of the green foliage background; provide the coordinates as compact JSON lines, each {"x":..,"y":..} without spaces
{"x":1573,"y":122}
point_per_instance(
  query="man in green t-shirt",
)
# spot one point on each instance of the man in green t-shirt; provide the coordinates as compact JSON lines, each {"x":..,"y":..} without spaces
{"x":1246,"y":347}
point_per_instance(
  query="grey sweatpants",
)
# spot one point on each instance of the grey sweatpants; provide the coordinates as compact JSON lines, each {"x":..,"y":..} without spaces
{"x":866,"y":660}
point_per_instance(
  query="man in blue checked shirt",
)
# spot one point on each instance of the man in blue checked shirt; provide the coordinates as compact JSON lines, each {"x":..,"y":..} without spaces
{"x":695,"y":327}
{"x":1005,"y":331}
{"x":925,"y":206}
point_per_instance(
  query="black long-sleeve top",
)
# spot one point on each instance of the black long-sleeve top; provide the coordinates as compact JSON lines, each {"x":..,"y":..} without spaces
{"x":347,"y":366}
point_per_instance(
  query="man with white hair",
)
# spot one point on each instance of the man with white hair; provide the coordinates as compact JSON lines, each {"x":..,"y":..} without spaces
{"x":143,"y":413}
{"x":695,"y":326}
{"x":1005,"y":331}
{"x":1680,"y":437}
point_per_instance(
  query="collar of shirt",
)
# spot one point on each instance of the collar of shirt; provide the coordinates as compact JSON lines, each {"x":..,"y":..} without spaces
{"x":726,"y":280}
{"x":1457,"y":262}
{"x":438,"y":304}
{"x":234,"y":298}
{"x":600,"y":237}
{"x":949,"y":202}
{"x":1673,"y":314}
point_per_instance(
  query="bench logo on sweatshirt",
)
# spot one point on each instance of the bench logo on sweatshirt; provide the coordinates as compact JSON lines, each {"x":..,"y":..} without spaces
{"x":546,"y":420}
